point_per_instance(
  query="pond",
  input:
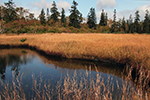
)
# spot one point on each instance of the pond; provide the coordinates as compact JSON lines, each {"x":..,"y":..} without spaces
{"x":54,"y":78}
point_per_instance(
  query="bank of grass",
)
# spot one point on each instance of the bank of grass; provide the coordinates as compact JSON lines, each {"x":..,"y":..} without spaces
{"x":119,"y":48}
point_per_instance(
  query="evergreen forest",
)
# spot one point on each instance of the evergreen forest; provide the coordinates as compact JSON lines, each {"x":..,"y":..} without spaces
{"x":18,"y":20}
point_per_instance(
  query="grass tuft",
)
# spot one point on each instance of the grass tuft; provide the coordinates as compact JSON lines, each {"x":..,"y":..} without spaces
{"x":23,"y":40}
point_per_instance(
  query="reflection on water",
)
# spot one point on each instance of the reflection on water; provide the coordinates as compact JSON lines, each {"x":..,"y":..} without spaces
{"x":29,"y":63}
{"x":12,"y":62}
{"x":17,"y":59}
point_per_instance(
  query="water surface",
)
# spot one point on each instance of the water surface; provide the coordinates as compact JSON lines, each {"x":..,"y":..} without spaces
{"x":29,"y":64}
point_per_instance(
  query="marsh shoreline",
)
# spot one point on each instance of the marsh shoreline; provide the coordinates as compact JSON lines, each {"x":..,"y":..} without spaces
{"x":120,"y":49}
{"x":48,"y":54}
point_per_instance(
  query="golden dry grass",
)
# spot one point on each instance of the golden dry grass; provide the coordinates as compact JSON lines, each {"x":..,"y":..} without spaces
{"x":120,"y":48}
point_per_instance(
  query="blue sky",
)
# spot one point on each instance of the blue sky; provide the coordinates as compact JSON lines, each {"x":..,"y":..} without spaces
{"x":124,"y":7}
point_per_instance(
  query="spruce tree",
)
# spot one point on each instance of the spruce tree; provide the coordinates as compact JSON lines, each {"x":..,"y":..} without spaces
{"x":31,"y":16}
{"x":146,"y":23}
{"x":54,"y":12}
{"x":75,"y":17}
{"x":92,"y":19}
{"x":123,"y":26}
{"x":21,"y":12}
{"x":48,"y":15}
{"x":136,"y":22}
{"x":10,"y":11}
{"x":118,"y":26}
{"x":102,"y":20}
{"x":106,"y":18}
{"x":130,"y":25}
{"x":114,"y":24}
{"x":63,"y":17}
{"x":42,"y":17}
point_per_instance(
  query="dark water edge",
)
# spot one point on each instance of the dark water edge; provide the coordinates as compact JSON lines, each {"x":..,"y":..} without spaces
{"x":55,"y":55}
{"x":29,"y":64}
{"x":66,"y":63}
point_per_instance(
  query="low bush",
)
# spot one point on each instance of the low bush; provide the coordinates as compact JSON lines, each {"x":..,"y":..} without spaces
{"x":23,"y":40}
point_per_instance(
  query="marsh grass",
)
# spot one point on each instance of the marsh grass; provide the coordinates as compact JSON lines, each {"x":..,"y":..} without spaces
{"x":140,"y":76}
{"x":119,"y":48}
{"x":12,"y":90}
{"x":74,"y":88}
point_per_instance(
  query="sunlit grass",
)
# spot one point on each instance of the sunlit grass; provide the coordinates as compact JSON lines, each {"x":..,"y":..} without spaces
{"x":120,"y":48}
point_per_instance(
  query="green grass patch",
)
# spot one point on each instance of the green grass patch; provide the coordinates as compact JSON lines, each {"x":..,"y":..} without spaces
{"x":23,"y":40}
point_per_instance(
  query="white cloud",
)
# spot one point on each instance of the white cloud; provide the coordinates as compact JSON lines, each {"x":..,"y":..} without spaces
{"x":38,"y":5}
{"x":1,"y":3}
{"x":141,"y":9}
{"x":109,"y":14}
{"x":101,"y":4}
{"x":63,"y":4}
{"x":36,"y":13}
{"x":42,"y":4}
{"x":126,"y":13}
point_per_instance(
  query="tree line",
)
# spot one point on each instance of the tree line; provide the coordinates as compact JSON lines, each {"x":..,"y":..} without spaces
{"x":19,"y":20}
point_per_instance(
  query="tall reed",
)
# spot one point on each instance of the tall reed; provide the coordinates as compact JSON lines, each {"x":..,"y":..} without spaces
{"x":74,"y":88}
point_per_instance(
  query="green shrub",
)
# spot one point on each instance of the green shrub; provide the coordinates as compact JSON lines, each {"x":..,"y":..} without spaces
{"x":23,"y":40}
{"x":54,"y":30}
{"x":22,"y":30}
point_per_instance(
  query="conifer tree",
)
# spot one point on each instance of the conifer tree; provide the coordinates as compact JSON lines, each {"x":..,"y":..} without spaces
{"x":21,"y":12}
{"x":75,"y":17}
{"x":146,"y":23}
{"x":10,"y":12}
{"x":130,"y":25}
{"x":55,"y":14}
{"x":92,"y":19}
{"x":123,"y":26}
{"x":106,"y":18}
{"x":63,"y":17}
{"x":136,"y":22}
{"x":114,"y":24}
{"x":48,"y":15}
{"x":102,"y":20}
{"x":31,"y":16}
{"x":42,"y":17}
{"x":118,"y":26}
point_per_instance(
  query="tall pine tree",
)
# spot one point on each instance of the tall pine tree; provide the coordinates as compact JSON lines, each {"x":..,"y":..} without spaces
{"x":48,"y":15}
{"x":146,"y":23}
{"x":10,"y":11}
{"x":63,"y":17}
{"x":92,"y":19}
{"x":42,"y":17}
{"x":136,"y":22}
{"x":106,"y":18}
{"x":130,"y":25}
{"x":75,"y":17}
{"x":114,"y":24}
{"x":102,"y":19}
{"x":123,"y":26}
{"x":54,"y":12}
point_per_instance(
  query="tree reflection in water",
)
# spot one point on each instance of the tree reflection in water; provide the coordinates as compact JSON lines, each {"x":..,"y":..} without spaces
{"x":13,"y":61}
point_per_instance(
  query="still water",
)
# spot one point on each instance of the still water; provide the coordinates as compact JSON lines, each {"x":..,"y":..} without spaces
{"x":26,"y":64}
